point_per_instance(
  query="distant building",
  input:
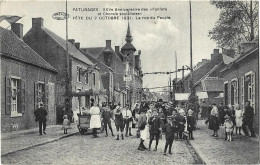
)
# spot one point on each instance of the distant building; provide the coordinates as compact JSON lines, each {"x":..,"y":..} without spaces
{"x":26,"y":80}
{"x":85,"y":78}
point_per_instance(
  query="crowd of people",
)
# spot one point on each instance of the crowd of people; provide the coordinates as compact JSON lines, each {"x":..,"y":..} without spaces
{"x":231,"y":117}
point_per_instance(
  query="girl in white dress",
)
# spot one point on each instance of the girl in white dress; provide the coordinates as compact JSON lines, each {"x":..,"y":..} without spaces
{"x":239,"y":118}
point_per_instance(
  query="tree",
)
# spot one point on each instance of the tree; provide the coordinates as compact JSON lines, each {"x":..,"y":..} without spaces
{"x":238,"y":20}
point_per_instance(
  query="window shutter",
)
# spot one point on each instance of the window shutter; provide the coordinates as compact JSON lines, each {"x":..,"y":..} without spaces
{"x":36,"y":95}
{"x":46,"y":96}
{"x":243,"y":92}
{"x":229,"y":92}
{"x":237,"y":94}
{"x":253,"y":91}
{"x":8,"y":94}
{"x":21,"y":108}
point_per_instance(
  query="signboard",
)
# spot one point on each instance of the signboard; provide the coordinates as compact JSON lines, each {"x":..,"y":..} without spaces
{"x":127,"y":78}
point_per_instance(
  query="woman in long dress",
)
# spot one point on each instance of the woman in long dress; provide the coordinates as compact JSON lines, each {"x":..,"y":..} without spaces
{"x":239,"y":118}
{"x":213,"y":121}
{"x":95,"y":122}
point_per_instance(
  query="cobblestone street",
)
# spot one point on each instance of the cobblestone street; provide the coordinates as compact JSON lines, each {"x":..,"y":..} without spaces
{"x":83,"y":149}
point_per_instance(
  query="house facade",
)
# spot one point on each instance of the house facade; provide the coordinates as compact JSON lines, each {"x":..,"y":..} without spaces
{"x":240,"y":80}
{"x":26,"y":80}
{"x":85,"y":77}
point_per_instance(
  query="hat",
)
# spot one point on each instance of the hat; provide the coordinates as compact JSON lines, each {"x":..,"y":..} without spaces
{"x":149,"y":111}
{"x":227,"y":117}
{"x":41,"y":104}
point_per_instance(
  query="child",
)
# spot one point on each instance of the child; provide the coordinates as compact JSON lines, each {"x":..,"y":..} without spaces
{"x":228,"y":128}
{"x":181,"y":125}
{"x":66,"y":124}
{"x":191,"y":123}
{"x":169,"y":134}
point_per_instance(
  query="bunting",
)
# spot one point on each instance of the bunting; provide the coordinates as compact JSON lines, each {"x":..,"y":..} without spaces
{"x":10,"y":18}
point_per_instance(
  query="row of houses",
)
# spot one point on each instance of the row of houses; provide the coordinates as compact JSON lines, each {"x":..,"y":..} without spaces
{"x":230,"y":78}
{"x":33,"y":70}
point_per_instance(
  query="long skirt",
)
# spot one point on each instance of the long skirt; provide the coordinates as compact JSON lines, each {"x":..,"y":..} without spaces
{"x":213,"y":123}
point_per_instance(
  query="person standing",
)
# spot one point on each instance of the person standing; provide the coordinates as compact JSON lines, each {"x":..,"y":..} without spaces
{"x":127,"y":115}
{"x":95,"y":122}
{"x":239,"y":118}
{"x":203,"y":111}
{"x":191,"y":123}
{"x":169,"y":134}
{"x":142,"y":121}
{"x":181,"y":125}
{"x":155,"y":129}
{"x":119,"y":122}
{"x":213,"y":121}
{"x":66,"y":124}
{"x":248,"y":120}
{"x":107,"y":115}
{"x":40,"y":116}
{"x":221,"y":114}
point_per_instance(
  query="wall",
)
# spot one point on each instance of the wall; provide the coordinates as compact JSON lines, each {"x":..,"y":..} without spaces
{"x":30,"y":74}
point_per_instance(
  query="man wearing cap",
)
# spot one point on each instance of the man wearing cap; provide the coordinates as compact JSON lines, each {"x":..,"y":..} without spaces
{"x":107,"y":115}
{"x":40,"y":116}
{"x":169,"y":134}
{"x":119,"y":122}
{"x":155,"y":128}
{"x":127,"y":115}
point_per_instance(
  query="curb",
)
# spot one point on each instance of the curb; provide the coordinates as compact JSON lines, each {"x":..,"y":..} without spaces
{"x":40,"y":144}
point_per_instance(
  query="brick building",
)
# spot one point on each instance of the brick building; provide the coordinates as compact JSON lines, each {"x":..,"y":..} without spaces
{"x":85,"y":78}
{"x":26,"y":80}
{"x":241,"y":79}
{"x":112,"y":70}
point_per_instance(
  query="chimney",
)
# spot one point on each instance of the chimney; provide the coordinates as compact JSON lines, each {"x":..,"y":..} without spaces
{"x":77,"y":45}
{"x":108,"y":43}
{"x":37,"y":23}
{"x":216,"y":51}
{"x":72,"y":41}
{"x":116,"y":49}
{"x":139,"y":52}
{"x":17,"y":28}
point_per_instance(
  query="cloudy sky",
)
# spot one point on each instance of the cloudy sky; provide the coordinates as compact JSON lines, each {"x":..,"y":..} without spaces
{"x":158,"y":39}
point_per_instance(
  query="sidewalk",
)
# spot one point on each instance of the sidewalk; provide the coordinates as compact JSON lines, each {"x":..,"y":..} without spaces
{"x":215,"y":150}
{"x":24,"y":139}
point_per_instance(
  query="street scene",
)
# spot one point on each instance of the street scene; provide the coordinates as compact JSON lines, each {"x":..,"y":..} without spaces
{"x":121,"y":82}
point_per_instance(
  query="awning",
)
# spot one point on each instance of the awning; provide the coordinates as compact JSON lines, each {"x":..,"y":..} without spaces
{"x":221,"y":95}
{"x":202,"y":95}
{"x":182,"y":96}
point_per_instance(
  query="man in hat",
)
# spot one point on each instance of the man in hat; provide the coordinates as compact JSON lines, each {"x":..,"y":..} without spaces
{"x":40,"y":116}
{"x":248,"y":120}
{"x":127,"y":115}
{"x":169,"y":134}
{"x":155,"y":128}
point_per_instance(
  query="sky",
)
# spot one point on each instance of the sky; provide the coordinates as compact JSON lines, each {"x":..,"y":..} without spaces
{"x":158,"y":39}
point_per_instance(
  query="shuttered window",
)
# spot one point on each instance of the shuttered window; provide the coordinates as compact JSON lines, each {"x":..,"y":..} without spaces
{"x":253,"y":91}
{"x":242,"y":93}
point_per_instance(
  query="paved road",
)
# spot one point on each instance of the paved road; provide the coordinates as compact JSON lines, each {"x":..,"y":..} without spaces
{"x":83,"y":149}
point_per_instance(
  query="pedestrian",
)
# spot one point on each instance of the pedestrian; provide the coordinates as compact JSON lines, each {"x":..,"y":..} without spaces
{"x":239,"y":118}
{"x":135,"y":114}
{"x":221,"y":113}
{"x":169,"y":134}
{"x":40,"y":116}
{"x":128,"y":119}
{"x":155,"y":128}
{"x":142,"y":121}
{"x":181,"y":125}
{"x":213,"y":121}
{"x":190,"y":123}
{"x":95,"y":120}
{"x":107,"y":116}
{"x":228,"y":124}
{"x":248,"y":120}
{"x":119,"y":122}
{"x":203,"y":110}
{"x":66,"y":124}
{"x":208,"y":113}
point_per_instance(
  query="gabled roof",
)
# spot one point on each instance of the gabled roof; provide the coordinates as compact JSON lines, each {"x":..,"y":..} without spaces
{"x":128,"y":46}
{"x":72,"y":50}
{"x":94,"y":52}
{"x":13,"y":47}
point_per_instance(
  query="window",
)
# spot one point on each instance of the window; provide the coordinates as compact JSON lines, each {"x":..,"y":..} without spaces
{"x":226,"y":93}
{"x":249,"y":88}
{"x":78,"y":74}
{"x":86,"y":78}
{"x":94,"y":79}
{"x":41,"y":94}
{"x":234,"y":91}
{"x":15,"y":96}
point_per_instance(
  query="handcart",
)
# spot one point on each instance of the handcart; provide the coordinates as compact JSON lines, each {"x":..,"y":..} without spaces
{"x":83,"y":123}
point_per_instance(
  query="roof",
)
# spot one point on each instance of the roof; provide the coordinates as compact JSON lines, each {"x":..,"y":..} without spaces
{"x":128,"y":46}
{"x":13,"y":47}
{"x":212,"y":84}
{"x":73,"y":51}
{"x":94,"y":52}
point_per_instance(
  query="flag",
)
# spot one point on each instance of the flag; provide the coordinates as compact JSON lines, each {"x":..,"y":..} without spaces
{"x":228,"y":55}
{"x":10,"y":18}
